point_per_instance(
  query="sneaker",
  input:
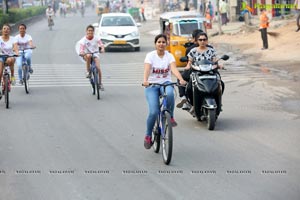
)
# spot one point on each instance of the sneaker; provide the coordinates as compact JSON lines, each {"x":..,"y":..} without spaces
{"x":20,"y":82}
{"x":88,"y":75}
{"x":147,"y":142}
{"x":13,"y":80}
{"x":180,"y":104}
{"x":186,"y":106}
{"x":101,"y":87}
{"x":192,"y":111}
{"x":0,"y":95}
{"x":30,"y":70}
{"x":173,"y":122}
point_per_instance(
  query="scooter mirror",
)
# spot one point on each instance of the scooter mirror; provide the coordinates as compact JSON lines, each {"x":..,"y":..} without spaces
{"x":184,"y":59}
{"x":225,"y":57}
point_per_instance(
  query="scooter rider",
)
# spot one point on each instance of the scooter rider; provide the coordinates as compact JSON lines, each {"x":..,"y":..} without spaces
{"x":200,"y":53}
{"x":186,"y":72}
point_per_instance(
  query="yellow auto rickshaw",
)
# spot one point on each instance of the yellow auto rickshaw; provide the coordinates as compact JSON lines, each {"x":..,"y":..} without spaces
{"x":178,"y":26}
{"x":102,"y":7}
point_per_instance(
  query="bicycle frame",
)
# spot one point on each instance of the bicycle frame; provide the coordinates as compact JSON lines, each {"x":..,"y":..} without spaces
{"x":163,"y":109}
{"x":94,"y":76}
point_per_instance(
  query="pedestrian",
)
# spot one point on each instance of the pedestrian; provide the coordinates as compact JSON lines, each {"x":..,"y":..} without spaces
{"x":297,"y":9}
{"x":143,"y":12}
{"x":264,"y":24}
{"x":158,"y":66}
{"x":209,"y":15}
{"x":223,"y":10}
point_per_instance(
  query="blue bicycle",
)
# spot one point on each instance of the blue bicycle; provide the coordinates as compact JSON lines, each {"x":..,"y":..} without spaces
{"x":94,"y":77}
{"x":162,"y":133}
{"x":25,"y":70}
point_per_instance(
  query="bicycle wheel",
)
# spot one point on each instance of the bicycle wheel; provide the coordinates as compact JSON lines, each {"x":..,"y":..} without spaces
{"x":167,"y":140}
{"x":6,"y":92}
{"x":156,"y":137}
{"x":26,"y":79}
{"x":93,"y":84}
{"x":97,"y":85}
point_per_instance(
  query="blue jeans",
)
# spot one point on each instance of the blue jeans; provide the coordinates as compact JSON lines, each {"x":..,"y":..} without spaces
{"x":152,"y":94}
{"x":19,"y":63}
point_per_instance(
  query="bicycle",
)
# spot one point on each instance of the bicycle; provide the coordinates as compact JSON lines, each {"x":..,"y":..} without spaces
{"x":163,"y":132}
{"x":94,"y":78}
{"x":25,"y":70}
{"x":6,"y":84}
{"x":50,"y":23}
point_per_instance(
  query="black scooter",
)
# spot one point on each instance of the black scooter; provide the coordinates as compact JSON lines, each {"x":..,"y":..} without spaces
{"x":207,"y":90}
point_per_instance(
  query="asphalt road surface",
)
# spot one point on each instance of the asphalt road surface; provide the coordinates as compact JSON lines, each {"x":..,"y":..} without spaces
{"x":59,"y":142}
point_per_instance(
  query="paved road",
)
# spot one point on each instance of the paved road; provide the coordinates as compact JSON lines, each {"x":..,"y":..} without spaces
{"x":60,"y":143}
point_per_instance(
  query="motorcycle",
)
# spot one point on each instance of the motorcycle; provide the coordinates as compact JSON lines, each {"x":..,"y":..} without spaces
{"x":207,"y":90}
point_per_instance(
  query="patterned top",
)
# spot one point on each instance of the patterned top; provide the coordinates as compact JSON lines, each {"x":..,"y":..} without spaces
{"x":195,"y":55}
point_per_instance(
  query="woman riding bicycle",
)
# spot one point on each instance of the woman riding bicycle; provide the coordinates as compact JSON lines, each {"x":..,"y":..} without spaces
{"x":157,"y":69}
{"x":90,"y":44}
{"x":24,"y":42}
{"x":8,"y":46}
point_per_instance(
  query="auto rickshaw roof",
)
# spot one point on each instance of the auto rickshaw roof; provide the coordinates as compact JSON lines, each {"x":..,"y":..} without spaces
{"x":181,"y":15}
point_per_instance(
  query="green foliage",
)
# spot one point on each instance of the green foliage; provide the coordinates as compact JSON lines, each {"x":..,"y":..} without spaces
{"x":4,"y":18}
{"x":18,"y":14}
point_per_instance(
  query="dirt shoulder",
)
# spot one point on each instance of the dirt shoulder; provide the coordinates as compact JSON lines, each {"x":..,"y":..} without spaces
{"x":282,"y":58}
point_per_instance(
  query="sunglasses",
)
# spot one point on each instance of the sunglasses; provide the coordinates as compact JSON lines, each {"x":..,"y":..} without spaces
{"x":202,"y":40}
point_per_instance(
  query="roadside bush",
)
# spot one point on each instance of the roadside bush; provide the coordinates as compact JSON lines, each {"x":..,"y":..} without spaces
{"x":17,"y":14}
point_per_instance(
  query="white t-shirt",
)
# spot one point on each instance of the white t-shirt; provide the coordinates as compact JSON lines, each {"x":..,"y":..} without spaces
{"x":160,"y":67}
{"x":23,"y":42}
{"x":90,"y":46}
{"x":8,"y":46}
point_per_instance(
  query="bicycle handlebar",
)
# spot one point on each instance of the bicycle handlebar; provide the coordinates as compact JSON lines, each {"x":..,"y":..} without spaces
{"x":89,"y":53}
{"x":27,"y":48}
{"x":163,"y":84}
{"x":7,"y":56}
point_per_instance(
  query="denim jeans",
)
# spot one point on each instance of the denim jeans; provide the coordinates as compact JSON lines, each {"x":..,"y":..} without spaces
{"x":19,"y":62}
{"x":152,"y":94}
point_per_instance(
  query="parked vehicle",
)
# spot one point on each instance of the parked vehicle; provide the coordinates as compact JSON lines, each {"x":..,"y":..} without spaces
{"x":178,"y":26}
{"x":102,"y":7}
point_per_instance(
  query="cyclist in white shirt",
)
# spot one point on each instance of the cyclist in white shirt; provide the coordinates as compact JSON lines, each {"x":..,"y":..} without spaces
{"x":8,"y":46}
{"x":158,"y":67}
{"x":49,"y":14}
{"x":90,"y":44}
{"x":24,"y":41}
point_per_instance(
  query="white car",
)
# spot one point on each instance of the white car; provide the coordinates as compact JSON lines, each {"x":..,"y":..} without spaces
{"x":118,"y":30}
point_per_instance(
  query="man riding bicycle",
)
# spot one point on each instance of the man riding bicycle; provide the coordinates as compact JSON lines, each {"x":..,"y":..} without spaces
{"x":49,"y":14}
{"x":91,"y":44}
{"x":24,"y":42}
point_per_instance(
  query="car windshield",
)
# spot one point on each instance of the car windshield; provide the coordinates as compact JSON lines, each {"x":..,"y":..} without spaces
{"x":117,"y":21}
{"x":186,"y":27}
